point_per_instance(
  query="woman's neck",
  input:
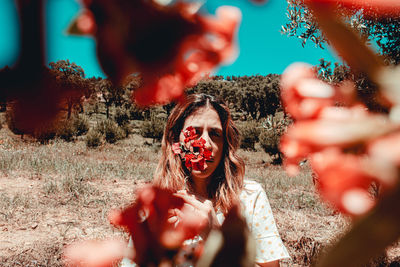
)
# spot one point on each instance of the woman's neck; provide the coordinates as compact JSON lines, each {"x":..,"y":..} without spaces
{"x":200,"y":187}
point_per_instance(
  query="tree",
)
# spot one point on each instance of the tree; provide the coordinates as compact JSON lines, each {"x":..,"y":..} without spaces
{"x":71,"y":81}
{"x":256,"y":96}
{"x":366,"y":90}
{"x":106,"y":88}
{"x":379,"y":30}
{"x":382,"y":31}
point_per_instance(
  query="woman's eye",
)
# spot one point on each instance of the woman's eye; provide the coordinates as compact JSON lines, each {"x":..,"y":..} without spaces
{"x":215,"y":133}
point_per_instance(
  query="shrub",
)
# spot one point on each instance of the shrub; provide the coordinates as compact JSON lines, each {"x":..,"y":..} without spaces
{"x":154,"y":128}
{"x":249,"y":130}
{"x":81,"y":125}
{"x":45,"y":133}
{"x":2,"y":120}
{"x":135,"y":113}
{"x":110,"y":130}
{"x":94,"y":138}
{"x":126,"y":129}
{"x":11,"y":123}
{"x":66,"y":130}
{"x":269,"y":141}
{"x":41,"y":131}
{"x":121,"y":116}
{"x":270,"y":138}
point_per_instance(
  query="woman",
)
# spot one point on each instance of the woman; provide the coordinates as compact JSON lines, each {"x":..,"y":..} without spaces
{"x":212,"y":190}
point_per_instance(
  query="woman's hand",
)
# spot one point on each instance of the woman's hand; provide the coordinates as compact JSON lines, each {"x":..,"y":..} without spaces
{"x":202,"y":207}
{"x":268,"y":264}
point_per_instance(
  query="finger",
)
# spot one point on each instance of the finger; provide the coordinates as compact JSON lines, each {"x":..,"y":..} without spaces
{"x":96,"y":253}
{"x":192,"y":201}
{"x":172,"y":219}
{"x":179,"y":213}
{"x":171,"y":212}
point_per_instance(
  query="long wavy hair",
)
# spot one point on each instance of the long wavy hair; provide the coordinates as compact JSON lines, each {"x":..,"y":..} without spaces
{"x":227,"y":180}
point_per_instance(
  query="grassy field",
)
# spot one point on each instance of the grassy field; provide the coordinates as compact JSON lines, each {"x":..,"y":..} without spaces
{"x":54,"y":194}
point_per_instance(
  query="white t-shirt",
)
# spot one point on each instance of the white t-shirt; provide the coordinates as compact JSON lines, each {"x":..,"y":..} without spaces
{"x":258,"y":214}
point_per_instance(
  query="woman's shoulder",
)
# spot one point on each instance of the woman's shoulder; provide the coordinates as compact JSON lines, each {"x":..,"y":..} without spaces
{"x":251,"y":187}
{"x":249,"y":184}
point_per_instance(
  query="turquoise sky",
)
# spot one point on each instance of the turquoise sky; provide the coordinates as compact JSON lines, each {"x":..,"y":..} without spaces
{"x":263,"y":49}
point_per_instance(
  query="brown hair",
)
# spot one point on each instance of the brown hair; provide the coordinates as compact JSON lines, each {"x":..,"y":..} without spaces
{"x":227,"y":181}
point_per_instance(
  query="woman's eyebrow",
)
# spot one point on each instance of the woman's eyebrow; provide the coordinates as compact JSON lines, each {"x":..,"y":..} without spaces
{"x":218,"y":129}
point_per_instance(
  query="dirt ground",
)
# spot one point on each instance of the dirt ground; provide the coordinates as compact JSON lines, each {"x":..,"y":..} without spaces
{"x":36,"y":231}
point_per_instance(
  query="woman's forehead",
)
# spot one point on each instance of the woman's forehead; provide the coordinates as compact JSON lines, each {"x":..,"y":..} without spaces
{"x":204,"y":116}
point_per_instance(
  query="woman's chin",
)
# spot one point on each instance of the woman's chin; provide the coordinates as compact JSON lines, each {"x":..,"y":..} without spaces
{"x":201,"y":174}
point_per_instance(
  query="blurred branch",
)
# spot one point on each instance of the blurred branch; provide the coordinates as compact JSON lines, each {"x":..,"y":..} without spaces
{"x":32,"y":44}
{"x":369,"y":236}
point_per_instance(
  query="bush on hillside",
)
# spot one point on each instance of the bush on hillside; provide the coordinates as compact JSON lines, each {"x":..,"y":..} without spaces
{"x":94,"y":138}
{"x":126,"y":130}
{"x":270,"y":138}
{"x":81,"y":125}
{"x":66,"y":130}
{"x":110,"y":130}
{"x":2,"y":120}
{"x":269,"y":141}
{"x":135,"y":113}
{"x":249,"y":130}
{"x":153,"y":128}
{"x":121,"y":116}
{"x":45,"y":133}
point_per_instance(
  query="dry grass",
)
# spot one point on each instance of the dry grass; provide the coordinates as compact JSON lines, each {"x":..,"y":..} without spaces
{"x":54,"y":194}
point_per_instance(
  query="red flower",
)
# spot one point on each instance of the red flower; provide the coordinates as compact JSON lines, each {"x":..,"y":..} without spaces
{"x":198,"y":163}
{"x":386,"y":149}
{"x":188,"y":160}
{"x":169,"y":45}
{"x":343,"y":180}
{"x":96,"y":253}
{"x":206,"y":153}
{"x":176,"y":148}
{"x":193,"y":150}
{"x":303,"y":95}
{"x":199,"y":143}
{"x":335,"y":127}
{"x":385,"y":7}
{"x":146,"y":222}
{"x":86,"y":23}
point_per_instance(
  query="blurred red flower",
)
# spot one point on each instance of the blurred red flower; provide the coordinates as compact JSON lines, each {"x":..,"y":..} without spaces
{"x":386,"y":7}
{"x":386,"y":149}
{"x":147,"y":223}
{"x":342,"y":181}
{"x":171,"y":46}
{"x":303,"y":95}
{"x":349,"y":147}
{"x":95,"y":253}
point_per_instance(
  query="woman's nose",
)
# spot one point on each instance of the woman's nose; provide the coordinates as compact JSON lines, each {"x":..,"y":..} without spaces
{"x":206,"y":137}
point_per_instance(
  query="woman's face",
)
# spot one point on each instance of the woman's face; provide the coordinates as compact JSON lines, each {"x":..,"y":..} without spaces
{"x":208,"y":126}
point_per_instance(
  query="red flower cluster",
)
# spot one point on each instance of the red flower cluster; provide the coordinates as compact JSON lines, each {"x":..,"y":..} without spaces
{"x":192,"y":151}
{"x":171,"y":46}
{"x":376,"y":6}
{"x":342,"y":143}
{"x":147,"y":223}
